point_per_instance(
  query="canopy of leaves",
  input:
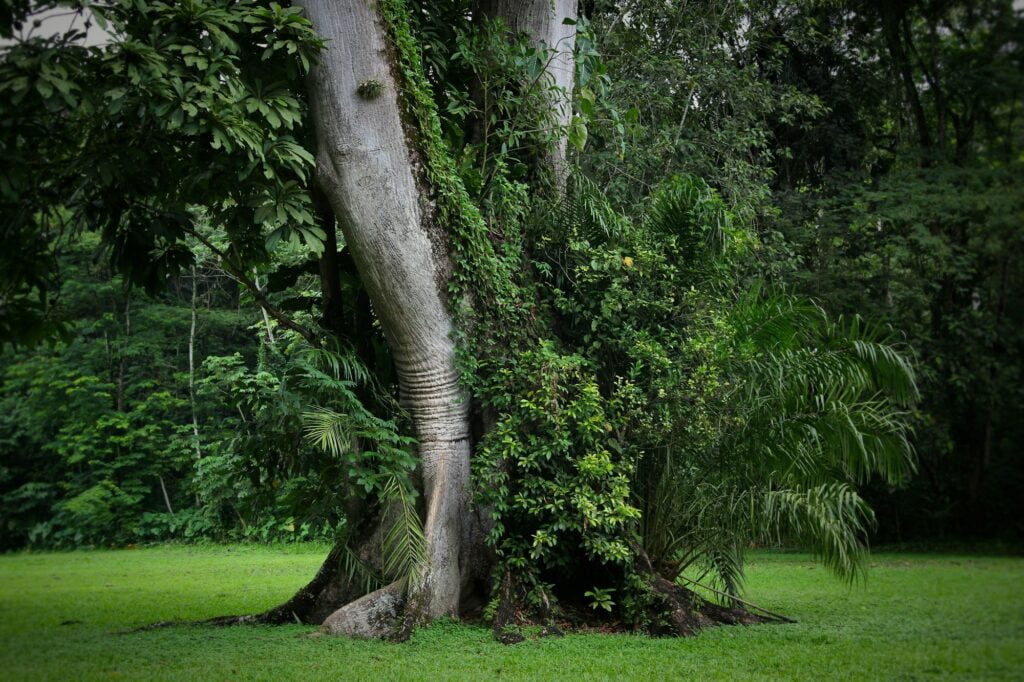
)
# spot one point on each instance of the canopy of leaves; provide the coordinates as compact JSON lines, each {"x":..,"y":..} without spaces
{"x":190,"y":108}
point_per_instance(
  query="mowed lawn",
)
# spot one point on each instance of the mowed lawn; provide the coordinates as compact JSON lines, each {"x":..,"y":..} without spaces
{"x":919,"y":616}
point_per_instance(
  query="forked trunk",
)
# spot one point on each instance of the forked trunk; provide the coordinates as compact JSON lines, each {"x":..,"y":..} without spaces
{"x":368,"y":167}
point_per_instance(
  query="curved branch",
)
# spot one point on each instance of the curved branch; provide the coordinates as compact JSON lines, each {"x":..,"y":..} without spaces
{"x":257,"y":293}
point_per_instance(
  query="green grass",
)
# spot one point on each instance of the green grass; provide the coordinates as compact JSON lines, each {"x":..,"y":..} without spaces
{"x":920,"y":616}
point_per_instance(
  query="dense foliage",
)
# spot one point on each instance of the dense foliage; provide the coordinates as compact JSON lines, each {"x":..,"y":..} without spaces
{"x":708,"y":339}
{"x":876,"y":149}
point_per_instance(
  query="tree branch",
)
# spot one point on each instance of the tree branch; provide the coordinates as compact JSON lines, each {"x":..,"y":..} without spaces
{"x":282,"y":319}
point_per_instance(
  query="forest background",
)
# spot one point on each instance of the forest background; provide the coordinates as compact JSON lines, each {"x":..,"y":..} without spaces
{"x":873,"y":149}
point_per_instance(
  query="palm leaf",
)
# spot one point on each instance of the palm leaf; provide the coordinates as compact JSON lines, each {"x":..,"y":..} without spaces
{"x":404,"y":546}
{"x":358,"y":573}
{"x":328,"y":430}
{"x":832,"y":520}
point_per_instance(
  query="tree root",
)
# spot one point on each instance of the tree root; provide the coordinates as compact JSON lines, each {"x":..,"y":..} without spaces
{"x":374,"y":615}
{"x":503,"y":626}
{"x":339,"y":607}
{"x":684,"y":612}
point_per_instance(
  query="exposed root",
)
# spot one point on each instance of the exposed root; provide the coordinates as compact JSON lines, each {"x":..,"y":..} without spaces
{"x":374,"y":615}
{"x":504,"y":626}
{"x":159,"y":625}
{"x":331,"y":601}
{"x":687,"y":612}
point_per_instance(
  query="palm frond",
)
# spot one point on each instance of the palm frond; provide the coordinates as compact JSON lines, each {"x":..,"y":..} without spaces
{"x":687,"y":207}
{"x":811,"y":406}
{"x":404,"y":546}
{"x":342,"y":364}
{"x":586,"y":207}
{"x":357,"y":573}
{"x":831,"y":519}
{"x":329,"y":430}
{"x":767,"y":319}
{"x":822,"y":398}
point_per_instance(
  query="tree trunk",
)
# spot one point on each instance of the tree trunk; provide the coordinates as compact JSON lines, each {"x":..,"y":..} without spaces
{"x":192,"y":373}
{"x":892,"y":14}
{"x":367,"y":169}
{"x":330,"y":281}
{"x":263,"y":309}
{"x":542,"y":21}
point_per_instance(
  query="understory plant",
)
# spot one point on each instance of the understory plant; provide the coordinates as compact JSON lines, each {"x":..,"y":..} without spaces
{"x":671,"y":416}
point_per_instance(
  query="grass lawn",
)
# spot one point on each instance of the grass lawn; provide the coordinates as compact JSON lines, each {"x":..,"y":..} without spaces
{"x":920,"y":616}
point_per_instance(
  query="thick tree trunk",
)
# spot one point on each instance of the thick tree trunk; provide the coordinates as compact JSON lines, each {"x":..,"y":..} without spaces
{"x":367,"y":169}
{"x":542,"y":21}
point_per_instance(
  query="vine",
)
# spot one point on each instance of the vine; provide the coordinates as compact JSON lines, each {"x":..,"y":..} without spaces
{"x":631,"y":387}
{"x":544,"y":471}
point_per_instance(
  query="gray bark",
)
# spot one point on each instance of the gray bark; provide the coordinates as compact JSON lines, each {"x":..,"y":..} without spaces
{"x":367,"y":168}
{"x":167,"y":499}
{"x":541,"y":20}
{"x":263,"y":309}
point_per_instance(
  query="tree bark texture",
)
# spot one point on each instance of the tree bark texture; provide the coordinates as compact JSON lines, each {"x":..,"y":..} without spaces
{"x":367,"y":168}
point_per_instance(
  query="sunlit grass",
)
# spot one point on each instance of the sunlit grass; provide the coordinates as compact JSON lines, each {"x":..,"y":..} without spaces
{"x":919,"y":616}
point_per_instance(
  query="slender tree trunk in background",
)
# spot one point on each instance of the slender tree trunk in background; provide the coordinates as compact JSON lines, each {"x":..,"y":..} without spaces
{"x":192,"y":370}
{"x":263,"y":309}
{"x":330,"y":282}
{"x":120,"y":398}
{"x":892,"y":16}
{"x":167,"y":498}
{"x":542,"y":21}
{"x":365,"y":166}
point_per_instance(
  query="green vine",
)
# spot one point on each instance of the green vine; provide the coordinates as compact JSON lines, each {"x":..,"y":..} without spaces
{"x":548,"y":450}
{"x":609,"y":356}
